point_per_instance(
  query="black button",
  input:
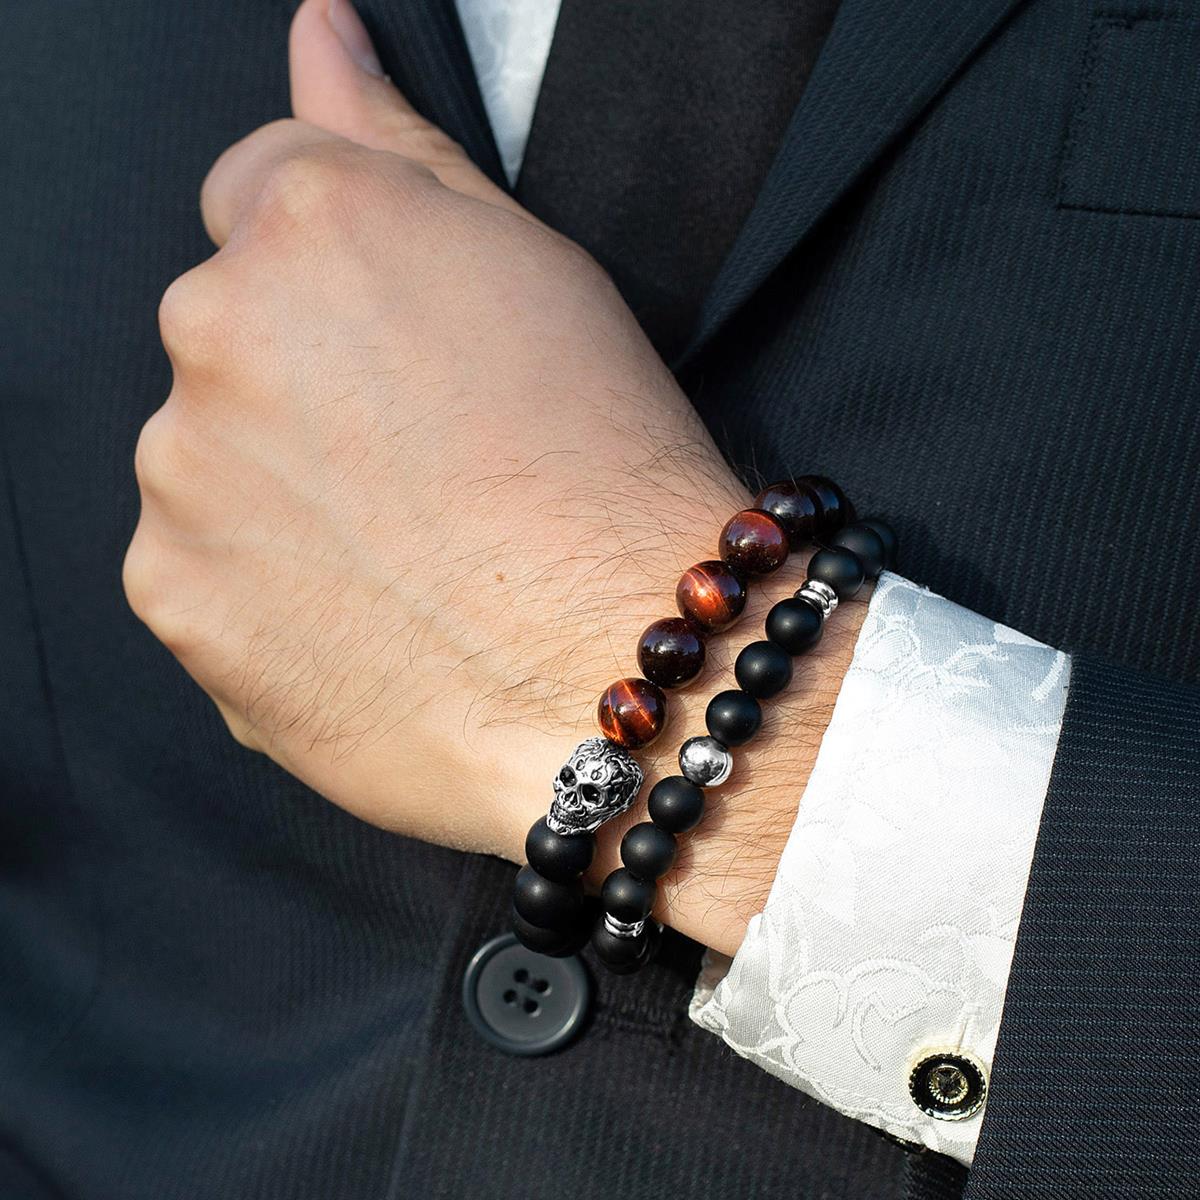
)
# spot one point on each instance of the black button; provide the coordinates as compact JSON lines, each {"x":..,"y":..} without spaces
{"x":948,"y":1086}
{"x":522,"y":1002}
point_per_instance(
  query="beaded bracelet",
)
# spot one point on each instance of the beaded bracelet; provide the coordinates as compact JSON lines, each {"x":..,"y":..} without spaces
{"x":626,"y":938}
{"x":601,"y":778}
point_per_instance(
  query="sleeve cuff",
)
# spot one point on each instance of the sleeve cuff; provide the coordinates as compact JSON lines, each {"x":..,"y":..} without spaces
{"x":889,"y":930}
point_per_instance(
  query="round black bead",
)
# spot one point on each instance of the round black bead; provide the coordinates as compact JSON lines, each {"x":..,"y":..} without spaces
{"x":733,"y":717}
{"x":620,"y":954}
{"x":648,"y":851}
{"x":862,"y":541}
{"x":675,"y":804}
{"x":834,"y":509}
{"x":763,"y":669}
{"x":556,"y":856}
{"x":840,"y":569}
{"x":545,"y":903}
{"x":557,"y":943}
{"x":891,"y":543}
{"x":626,"y":896}
{"x":794,"y":625}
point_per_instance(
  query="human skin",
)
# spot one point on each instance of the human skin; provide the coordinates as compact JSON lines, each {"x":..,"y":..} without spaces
{"x":419,"y":484}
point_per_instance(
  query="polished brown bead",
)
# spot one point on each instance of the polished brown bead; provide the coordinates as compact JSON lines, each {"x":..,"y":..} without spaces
{"x":794,"y":506}
{"x":711,"y":595}
{"x":754,"y":542}
{"x":671,"y":652}
{"x":835,"y":511}
{"x":632,"y":712}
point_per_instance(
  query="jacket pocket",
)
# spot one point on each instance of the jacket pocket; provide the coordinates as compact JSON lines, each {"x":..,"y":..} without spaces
{"x":1133,"y":141}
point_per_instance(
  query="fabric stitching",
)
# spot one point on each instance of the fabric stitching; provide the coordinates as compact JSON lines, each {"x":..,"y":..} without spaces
{"x":1106,"y":21}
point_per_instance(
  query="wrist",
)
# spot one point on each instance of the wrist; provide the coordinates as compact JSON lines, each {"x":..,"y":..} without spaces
{"x":725,"y":869}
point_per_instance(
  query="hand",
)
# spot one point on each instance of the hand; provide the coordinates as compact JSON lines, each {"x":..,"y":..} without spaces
{"x":420,"y":483}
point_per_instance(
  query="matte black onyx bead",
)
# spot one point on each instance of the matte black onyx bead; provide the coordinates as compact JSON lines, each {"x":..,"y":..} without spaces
{"x":891,"y":543}
{"x":864,"y":542}
{"x":649,"y":938}
{"x":794,"y":625}
{"x":733,"y":717}
{"x":627,"y":897}
{"x":619,"y":952}
{"x":835,"y":509}
{"x":557,"y":943}
{"x":763,"y":669}
{"x":545,"y":903}
{"x":840,"y":569}
{"x":671,"y":652}
{"x":794,"y":506}
{"x":648,"y":851}
{"x":675,"y":804}
{"x":556,"y":856}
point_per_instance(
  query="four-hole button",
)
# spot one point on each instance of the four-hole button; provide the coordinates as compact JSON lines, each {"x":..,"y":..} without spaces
{"x":522,"y":1002}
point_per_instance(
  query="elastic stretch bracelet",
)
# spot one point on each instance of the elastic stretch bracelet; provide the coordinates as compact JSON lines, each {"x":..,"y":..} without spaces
{"x":626,"y":938}
{"x":601,"y":779}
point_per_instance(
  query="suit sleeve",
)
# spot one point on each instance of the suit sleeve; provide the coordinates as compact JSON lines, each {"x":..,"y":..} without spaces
{"x":1094,"y":1087}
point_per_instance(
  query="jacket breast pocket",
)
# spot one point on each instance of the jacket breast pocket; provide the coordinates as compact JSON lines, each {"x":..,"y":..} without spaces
{"x":1133,"y":140}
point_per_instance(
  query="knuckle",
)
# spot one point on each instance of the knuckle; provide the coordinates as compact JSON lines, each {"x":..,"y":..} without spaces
{"x":160,"y":462}
{"x":138,"y":577}
{"x":304,"y":191}
{"x":193,"y":316}
{"x":149,"y":580}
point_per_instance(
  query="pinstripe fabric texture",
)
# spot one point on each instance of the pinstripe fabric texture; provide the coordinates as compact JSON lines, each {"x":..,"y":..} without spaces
{"x":213,"y":982}
{"x":1012,"y":381}
{"x":994,"y":339}
{"x":1102,"y":1021}
{"x":224,"y":987}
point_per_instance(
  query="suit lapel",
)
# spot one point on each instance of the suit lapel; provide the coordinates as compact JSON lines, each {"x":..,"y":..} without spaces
{"x":882,"y":64}
{"x":422,"y":47}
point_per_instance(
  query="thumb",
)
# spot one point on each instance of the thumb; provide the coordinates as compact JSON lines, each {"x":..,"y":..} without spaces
{"x":339,"y":85}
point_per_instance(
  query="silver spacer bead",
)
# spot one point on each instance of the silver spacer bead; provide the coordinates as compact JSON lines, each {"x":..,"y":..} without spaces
{"x":705,"y":762}
{"x":819,"y":594}
{"x":623,"y":929}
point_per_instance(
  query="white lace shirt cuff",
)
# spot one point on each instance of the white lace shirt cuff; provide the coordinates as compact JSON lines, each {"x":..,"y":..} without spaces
{"x":889,"y":930}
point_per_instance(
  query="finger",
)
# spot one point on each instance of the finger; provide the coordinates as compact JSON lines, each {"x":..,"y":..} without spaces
{"x":339,"y":85}
{"x":237,"y":178}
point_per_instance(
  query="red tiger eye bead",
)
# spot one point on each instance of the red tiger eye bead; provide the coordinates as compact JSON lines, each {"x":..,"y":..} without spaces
{"x":670,"y":652}
{"x":836,"y":511}
{"x":794,"y":506}
{"x":754,"y":542}
{"x":711,"y":594}
{"x":632,"y":712}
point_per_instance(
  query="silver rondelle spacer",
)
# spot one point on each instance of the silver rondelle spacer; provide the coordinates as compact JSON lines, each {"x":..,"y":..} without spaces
{"x":623,"y":929}
{"x":705,"y":762}
{"x":819,"y":594}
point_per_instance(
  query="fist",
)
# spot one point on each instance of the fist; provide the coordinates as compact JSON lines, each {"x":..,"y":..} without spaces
{"x":407,"y":483}
{"x":419,"y":484}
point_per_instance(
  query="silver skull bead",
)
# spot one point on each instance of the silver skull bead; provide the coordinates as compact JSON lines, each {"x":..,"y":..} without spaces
{"x":598,"y":782}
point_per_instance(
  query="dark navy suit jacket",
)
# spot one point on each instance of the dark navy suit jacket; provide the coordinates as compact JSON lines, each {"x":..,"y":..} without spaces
{"x":969,"y":290}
